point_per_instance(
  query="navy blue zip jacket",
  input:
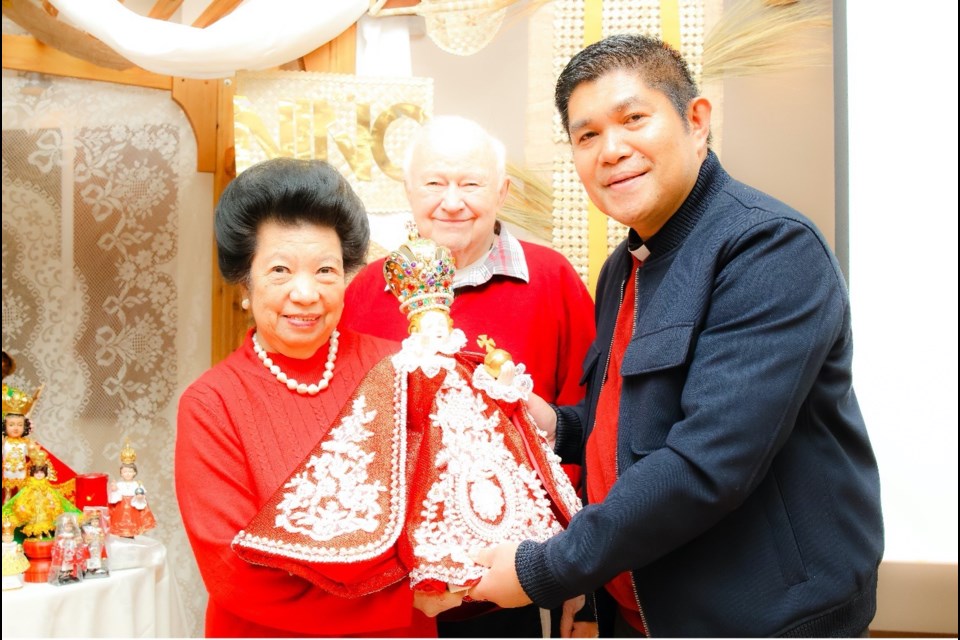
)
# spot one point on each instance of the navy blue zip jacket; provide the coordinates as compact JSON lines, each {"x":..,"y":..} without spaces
{"x":747,"y":500}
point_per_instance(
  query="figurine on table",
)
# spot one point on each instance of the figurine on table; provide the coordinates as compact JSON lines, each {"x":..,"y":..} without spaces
{"x":18,"y":446}
{"x":15,"y":399}
{"x":95,"y":537}
{"x":14,"y":562}
{"x":35,"y":508}
{"x":69,"y":556}
{"x":130,"y":514}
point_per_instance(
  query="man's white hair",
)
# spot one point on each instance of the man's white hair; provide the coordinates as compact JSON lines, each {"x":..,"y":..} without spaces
{"x":448,"y":130}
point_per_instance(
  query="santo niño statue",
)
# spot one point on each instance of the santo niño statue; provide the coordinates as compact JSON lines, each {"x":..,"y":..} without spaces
{"x":434,"y":455}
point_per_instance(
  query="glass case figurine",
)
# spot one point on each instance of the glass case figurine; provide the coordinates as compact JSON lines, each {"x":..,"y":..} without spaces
{"x":69,"y":556}
{"x":94,"y":534}
{"x":130,"y":514}
{"x":14,"y":562}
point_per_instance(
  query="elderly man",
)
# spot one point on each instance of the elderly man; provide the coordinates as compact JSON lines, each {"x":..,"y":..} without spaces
{"x":526,"y":297}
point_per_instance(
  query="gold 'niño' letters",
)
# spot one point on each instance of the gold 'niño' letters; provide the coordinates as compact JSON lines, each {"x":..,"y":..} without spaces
{"x":306,"y":126}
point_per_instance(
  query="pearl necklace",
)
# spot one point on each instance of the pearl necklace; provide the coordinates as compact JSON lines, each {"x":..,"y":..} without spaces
{"x":293,"y":385}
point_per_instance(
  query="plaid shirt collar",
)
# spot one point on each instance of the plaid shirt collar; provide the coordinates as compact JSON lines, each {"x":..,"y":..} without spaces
{"x":505,"y":258}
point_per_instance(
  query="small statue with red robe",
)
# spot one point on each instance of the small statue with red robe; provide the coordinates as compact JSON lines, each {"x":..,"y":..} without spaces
{"x":130,"y":514}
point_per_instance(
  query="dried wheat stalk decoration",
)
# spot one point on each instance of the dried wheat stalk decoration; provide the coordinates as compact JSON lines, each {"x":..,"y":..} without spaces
{"x":763,"y":36}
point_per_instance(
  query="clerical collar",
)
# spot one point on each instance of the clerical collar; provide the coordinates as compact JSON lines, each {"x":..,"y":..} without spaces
{"x":636,"y":246}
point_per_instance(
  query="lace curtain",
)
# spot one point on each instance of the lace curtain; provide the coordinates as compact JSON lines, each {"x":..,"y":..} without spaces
{"x":107,"y":259}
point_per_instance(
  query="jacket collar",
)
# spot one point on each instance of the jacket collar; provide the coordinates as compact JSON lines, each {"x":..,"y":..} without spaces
{"x":710,"y":181}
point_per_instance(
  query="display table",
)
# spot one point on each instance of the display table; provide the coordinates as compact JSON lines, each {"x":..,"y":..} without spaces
{"x":139,"y":601}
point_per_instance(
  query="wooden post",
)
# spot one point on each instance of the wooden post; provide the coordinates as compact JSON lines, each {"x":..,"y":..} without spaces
{"x":228,"y":321}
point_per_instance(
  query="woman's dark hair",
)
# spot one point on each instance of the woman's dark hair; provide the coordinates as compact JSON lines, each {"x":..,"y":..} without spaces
{"x":290,"y":192}
{"x":26,"y":424}
{"x":657,"y":64}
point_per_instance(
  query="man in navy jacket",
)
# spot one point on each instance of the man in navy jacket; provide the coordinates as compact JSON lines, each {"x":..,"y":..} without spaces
{"x":731,"y":484}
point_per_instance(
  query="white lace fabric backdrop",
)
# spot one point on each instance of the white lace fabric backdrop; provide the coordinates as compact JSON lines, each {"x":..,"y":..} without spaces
{"x":107,"y":259}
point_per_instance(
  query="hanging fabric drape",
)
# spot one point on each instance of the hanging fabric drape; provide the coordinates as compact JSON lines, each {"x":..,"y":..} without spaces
{"x":258,"y":34}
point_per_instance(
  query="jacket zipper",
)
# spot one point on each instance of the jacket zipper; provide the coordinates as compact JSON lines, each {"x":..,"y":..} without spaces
{"x":616,"y":459}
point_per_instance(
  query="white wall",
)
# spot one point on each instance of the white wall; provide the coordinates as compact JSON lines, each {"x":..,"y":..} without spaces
{"x":778,"y":137}
{"x":902,"y":96}
{"x":489,"y":86}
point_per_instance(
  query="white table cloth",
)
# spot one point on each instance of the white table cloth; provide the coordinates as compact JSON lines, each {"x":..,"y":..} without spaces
{"x":138,"y":600}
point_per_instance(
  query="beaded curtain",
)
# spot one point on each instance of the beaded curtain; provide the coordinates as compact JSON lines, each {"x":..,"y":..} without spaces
{"x":104,"y":221}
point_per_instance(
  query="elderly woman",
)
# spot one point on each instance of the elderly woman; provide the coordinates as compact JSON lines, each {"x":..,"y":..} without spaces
{"x":288,"y":232}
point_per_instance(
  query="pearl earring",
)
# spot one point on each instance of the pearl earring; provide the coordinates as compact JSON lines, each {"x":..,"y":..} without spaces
{"x":245,"y":304}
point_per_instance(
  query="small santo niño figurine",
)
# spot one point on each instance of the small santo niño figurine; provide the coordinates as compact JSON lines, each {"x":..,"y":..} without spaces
{"x":14,"y":562}
{"x":16,"y":429}
{"x":34,"y":508}
{"x":19,"y":446}
{"x":95,"y":537}
{"x":16,"y":450}
{"x":130,"y":514}
{"x":69,"y":555}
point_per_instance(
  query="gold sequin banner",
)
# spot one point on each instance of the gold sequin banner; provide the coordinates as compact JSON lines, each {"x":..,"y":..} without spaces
{"x":361,"y":125}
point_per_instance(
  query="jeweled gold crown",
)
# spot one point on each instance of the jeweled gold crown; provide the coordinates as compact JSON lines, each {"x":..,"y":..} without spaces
{"x":420,"y":275}
{"x":18,"y":402}
{"x":128,"y":454}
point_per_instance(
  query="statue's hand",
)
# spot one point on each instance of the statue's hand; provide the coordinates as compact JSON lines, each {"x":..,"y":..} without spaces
{"x":507,"y":371}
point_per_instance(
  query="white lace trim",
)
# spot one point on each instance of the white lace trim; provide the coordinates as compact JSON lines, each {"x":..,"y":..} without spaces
{"x":482,"y":493}
{"x":423,"y":351}
{"x":335,"y":495}
{"x":565,"y":490}
{"x":519,"y":387}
